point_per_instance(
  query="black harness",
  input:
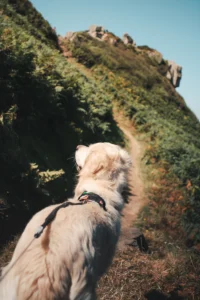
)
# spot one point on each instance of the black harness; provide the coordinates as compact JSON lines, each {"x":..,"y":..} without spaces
{"x":84,"y":198}
{"x":92,"y":197}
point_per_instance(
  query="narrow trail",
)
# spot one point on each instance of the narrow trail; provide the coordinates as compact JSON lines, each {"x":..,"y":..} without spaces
{"x":137,"y":199}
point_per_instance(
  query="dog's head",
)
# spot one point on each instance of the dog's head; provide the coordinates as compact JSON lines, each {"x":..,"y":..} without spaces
{"x":102,"y":161}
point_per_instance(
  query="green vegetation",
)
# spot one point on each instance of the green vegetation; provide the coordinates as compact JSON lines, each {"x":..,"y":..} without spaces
{"x":157,"y":111}
{"x":25,"y":15}
{"x":46,"y":102}
{"x":47,"y":107}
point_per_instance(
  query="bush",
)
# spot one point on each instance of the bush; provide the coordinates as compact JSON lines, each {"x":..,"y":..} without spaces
{"x":47,"y":107}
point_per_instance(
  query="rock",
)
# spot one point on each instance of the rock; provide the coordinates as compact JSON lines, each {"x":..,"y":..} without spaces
{"x":96,"y":31}
{"x":95,"y":28}
{"x":127,"y":39}
{"x":107,"y":37}
{"x":113,"y":41}
{"x":70,"y":35}
{"x":101,"y":34}
{"x":155,"y":55}
{"x":174,"y":73}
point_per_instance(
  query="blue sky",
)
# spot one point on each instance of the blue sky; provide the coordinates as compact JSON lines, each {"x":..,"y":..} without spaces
{"x":170,"y":26}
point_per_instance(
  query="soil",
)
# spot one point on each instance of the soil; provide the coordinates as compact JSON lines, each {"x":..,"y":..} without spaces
{"x":137,"y":198}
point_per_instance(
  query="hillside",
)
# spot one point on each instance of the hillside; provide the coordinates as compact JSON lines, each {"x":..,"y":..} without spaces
{"x":138,"y":85}
{"x":57,"y":92}
{"x":25,"y":15}
{"x":47,"y":107}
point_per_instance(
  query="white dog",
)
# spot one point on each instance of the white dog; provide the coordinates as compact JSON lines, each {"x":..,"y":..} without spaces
{"x":77,"y":247}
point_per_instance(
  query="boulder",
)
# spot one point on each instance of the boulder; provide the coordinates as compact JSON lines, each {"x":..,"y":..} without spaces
{"x":70,"y":35}
{"x":96,"y":31}
{"x":95,"y":28}
{"x":101,"y":34}
{"x":156,"y":56}
{"x":127,"y":39}
{"x":111,"y":39}
{"x":174,"y":73}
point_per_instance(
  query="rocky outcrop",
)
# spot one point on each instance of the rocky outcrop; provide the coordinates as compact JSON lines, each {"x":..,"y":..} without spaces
{"x":127,"y":39}
{"x":70,"y":35}
{"x":174,"y":73}
{"x":96,"y":31}
{"x":110,"y":38}
{"x":155,"y":55}
{"x":101,"y":34}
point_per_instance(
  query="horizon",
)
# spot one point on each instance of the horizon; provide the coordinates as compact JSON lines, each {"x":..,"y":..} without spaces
{"x":174,"y":26}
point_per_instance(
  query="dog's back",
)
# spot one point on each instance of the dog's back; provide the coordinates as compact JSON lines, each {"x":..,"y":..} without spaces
{"x":74,"y":250}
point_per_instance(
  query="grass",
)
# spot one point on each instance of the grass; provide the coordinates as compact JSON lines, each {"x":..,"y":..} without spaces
{"x":7,"y":251}
{"x":49,"y":105}
{"x":172,"y":133}
{"x":170,"y":270}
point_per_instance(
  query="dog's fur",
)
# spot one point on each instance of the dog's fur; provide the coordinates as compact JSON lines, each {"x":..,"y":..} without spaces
{"x":78,"y":246}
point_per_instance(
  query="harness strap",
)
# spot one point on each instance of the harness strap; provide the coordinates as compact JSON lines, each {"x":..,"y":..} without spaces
{"x":52,"y":216}
{"x":92,"y":197}
{"x":84,"y":198}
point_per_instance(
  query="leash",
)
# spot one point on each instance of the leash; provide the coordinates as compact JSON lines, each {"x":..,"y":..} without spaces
{"x":85,"y":197}
{"x":52,"y":216}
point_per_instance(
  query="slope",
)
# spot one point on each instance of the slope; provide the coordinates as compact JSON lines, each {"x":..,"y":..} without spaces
{"x":49,"y":104}
{"x":167,"y":269}
{"x":47,"y":107}
{"x":31,"y":20}
{"x":141,"y":89}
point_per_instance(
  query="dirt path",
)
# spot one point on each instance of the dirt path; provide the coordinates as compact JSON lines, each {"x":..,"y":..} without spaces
{"x":136,"y":200}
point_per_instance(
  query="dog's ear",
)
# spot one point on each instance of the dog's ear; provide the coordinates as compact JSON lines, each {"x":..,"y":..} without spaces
{"x":109,"y":160}
{"x":95,"y":162}
{"x":121,"y":156}
{"x":125,"y":158}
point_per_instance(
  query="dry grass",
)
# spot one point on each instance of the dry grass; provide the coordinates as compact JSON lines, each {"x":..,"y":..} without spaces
{"x":163,"y":274}
{"x":7,"y":251}
{"x":171,"y":270}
